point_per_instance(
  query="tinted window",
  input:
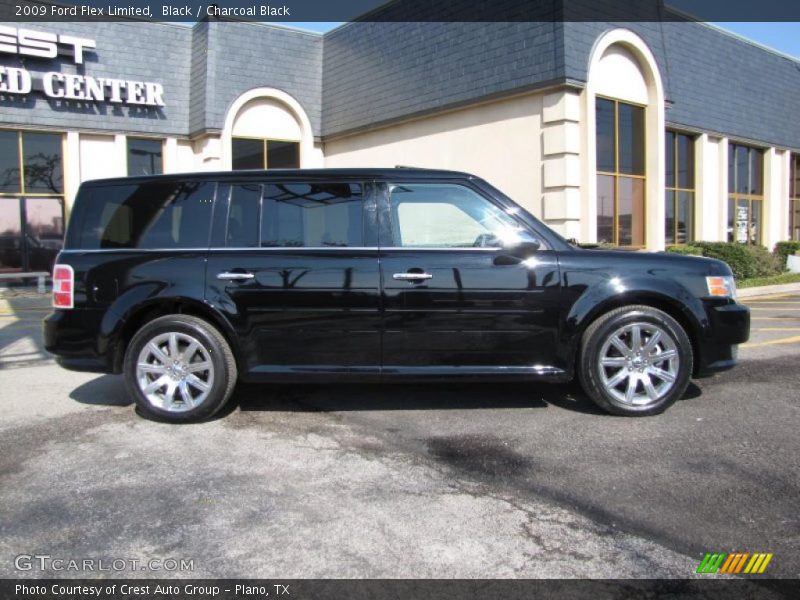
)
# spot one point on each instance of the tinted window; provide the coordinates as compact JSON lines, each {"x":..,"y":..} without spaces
{"x":631,"y":139}
{"x":243,"y":216}
{"x":283,"y":155}
{"x":247,"y":154}
{"x":144,"y":157}
{"x":606,"y":126}
{"x":43,"y":163}
{"x":312,"y":215}
{"x":9,"y":162}
{"x":150,"y":215}
{"x":446,"y":216}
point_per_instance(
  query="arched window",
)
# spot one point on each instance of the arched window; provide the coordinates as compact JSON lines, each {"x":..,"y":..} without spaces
{"x":624,"y":104}
{"x":266,"y":128}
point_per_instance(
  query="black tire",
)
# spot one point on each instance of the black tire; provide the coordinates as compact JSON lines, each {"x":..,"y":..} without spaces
{"x":621,"y":324}
{"x":213,"y":348}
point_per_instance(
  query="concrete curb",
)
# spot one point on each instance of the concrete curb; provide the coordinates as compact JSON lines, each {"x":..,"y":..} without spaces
{"x":766,"y":290}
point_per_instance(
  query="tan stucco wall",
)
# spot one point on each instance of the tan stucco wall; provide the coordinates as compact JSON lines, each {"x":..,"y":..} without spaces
{"x":498,"y":141}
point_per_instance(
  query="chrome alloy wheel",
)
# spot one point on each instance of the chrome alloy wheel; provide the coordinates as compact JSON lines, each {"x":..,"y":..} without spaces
{"x":174,"y":372}
{"x":638,"y":364}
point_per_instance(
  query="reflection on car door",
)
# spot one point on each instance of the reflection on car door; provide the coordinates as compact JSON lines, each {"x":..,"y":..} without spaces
{"x":456,"y":300}
{"x":297,"y":276}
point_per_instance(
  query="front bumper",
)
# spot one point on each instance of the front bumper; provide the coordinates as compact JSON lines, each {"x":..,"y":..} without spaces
{"x":728,"y":326}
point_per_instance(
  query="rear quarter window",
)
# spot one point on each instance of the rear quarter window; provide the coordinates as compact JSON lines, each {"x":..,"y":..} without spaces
{"x":150,"y":215}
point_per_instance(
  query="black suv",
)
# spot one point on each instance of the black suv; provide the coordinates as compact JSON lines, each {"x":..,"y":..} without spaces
{"x":188,"y":283}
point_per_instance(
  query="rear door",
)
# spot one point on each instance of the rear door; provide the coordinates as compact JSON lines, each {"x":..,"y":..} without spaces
{"x":457,"y":300}
{"x":294,"y":266}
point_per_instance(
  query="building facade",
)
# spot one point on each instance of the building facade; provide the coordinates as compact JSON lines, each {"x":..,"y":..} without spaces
{"x":640,"y":134}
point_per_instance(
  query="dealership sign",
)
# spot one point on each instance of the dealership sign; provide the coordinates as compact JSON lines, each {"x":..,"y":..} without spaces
{"x":64,"y":86}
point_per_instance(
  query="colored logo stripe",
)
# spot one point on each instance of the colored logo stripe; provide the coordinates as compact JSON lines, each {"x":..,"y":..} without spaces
{"x":711,"y":563}
{"x":734,"y":563}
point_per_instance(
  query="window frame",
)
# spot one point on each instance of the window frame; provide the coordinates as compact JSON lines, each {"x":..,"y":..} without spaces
{"x":227,"y":185}
{"x":676,"y":189}
{"x":22,"y":195}
{"x":264,"y":147}
{"x":146,"y":139}
{"x":617,"y":174}
{"x":735,"y":197}
{"x":387,"y":222}
{"x":21,"y":160}
{"x":794,"y":196}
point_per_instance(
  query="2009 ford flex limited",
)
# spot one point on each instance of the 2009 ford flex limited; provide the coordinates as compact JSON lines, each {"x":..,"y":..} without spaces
{"x":188,"y":283}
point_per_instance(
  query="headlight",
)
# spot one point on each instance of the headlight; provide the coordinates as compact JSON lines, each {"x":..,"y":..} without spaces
{"x":721,"y":286}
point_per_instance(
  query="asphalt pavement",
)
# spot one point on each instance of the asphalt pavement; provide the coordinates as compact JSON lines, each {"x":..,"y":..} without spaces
{"x":438,"y":480}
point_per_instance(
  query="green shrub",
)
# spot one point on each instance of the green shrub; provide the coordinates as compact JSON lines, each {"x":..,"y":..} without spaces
{"x":745,"y":261}
{"x":785,"y":249}
{"x":765,"y":263}
{"x":688,"y":249}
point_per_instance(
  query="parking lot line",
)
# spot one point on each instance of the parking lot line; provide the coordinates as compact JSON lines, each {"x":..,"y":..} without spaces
{"x":775,"y":308}
{"x":776,"y":329}
{"x":789,"y":340}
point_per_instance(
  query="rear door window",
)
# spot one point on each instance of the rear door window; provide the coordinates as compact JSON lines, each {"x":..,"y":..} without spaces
{"x":312,"y":215}
{"x":296,"y":215}
{"x":151,"y":215}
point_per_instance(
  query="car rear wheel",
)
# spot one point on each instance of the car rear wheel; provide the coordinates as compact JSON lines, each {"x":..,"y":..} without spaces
{"x":635,"y":361}
{"x":179,"y":368}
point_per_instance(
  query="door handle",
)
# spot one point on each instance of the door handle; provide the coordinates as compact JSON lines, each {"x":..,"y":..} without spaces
{"x":229,"y":276}
{"x":412,"y":276}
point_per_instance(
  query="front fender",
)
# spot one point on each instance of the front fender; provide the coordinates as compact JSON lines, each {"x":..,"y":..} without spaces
{"x":590,"y":299}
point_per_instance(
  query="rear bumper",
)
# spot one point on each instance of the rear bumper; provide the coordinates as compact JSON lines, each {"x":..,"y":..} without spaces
{"x":729,"y":326}
{"x":71,"y":336}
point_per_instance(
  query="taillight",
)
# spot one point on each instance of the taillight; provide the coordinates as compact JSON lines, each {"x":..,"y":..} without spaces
{"x":63,"y":286}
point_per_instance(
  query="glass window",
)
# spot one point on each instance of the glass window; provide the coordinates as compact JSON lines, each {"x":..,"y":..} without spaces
{"x":794,"y":198}
{"x":10,"y":235}
{"x":746,"y":194}
{"x":669,"y":158}
{"x":265,"y":154}
{"x":605,"y":209}
{"x":606,"y":144}
{"x":243,"y":216}
{"x":312,"y":215}
{"x":42,"y":163}
{"x":248,"y":154}
{"x":685,"y":161}
{"x":283,"y":155}
{"x":630,"y":212}
{"x":446,"y":216}
{"x":44,"y":231}
{"x":151,"y":215}
{"x":620,"y":173}
{"x":145,"y":157}
{"x":9,"y":162}
{"x":32,"y":197}
{"x":680,"y":192}
{"x":631,"y":139}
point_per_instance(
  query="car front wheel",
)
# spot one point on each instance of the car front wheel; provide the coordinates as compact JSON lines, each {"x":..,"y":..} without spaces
{"x":179,"y":368}
{"x":635,"y":361}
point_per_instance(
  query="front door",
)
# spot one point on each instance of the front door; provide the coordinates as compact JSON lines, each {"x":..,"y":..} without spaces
{"x":297,"y":276}
{"x":459,"y":296}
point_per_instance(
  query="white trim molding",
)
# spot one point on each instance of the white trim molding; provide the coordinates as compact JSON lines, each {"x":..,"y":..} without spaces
{"x":308,"y":157}
{"x":654,"y":136}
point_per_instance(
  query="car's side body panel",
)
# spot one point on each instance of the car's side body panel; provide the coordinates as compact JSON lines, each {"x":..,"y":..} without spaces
{"x":339,"y":312}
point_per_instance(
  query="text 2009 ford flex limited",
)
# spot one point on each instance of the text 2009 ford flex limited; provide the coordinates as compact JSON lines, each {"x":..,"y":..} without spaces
{"x":188,"y":283}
